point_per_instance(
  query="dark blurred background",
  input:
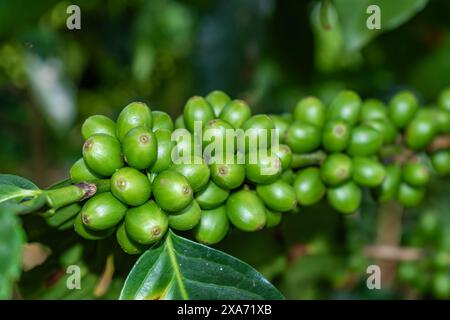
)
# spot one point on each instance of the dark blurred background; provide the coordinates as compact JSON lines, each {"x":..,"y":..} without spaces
{"x":270,"y":53}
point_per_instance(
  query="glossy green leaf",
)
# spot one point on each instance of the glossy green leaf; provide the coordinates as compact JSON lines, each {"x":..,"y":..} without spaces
{"x":11,"y":241}
{"x":178,"y":268}
{"x":353,"y":18}
{"x":9,"y":192}
{"x":9,"y":179}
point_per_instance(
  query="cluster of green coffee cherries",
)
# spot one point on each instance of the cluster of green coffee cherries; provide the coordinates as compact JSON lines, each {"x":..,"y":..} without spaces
{"x":319,"y":152}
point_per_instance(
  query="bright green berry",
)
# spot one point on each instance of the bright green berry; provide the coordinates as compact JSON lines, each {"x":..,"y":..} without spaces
{"x":303,"y":137}
{"x":172,"y":191}
{"x":389,"y":187}
{"x":140,"y":148}
{"x":409,"y":196}
{"x":147,"y":223}
{"x":416,"y":174}
{"x":228,"y":176}
{"x":368,"y":172}
{"x":402,"y":108}
{"x":102,"y":211}
{"x":131,"y":186}
{"x":218,"y":100}
{"x":236,"y":113}
{"x":278,"y":196}
{"x":162,"y":120}
{"x":336,"y":136}
{"x":211,"y":196}
{"x":102,"y":154}
{"x":345,"y":198}
{"x":310,"y":110}
{"x":187,"y":218}
{"x":345,"y":106}
{"x":126,"y":243}
{"x":164,"y":150}
{"x":262,"y":168}
{"x":246,"y":210}
{"x":98,"y":124}
{"x":197,"y":109}
{"x":80,"y":172}
{"x":136,"y":114}
{"x":213,"y":226}
{"x":364,"y":141}
{"x":336,"y":169}
{"x":196,"y":172}
{"x":373,"y":109}
{"x":308,"y":186}
{"x":441,"y":162}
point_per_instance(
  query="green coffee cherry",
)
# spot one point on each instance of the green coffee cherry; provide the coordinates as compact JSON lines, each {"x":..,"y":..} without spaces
{"x":373,"y":109}
{"x":402,"y":108}
{"x":345,"y":106}
{"x":147,"y":223}
{"x":368,"y":172}
{"x":179,"y":122}
{"x":262,"y":169}
{"x":303,"y":137}
{"x":63,"y":215}
{"x":236,"y":113}
{"x":281,"y":125}
{"x":197,"y":109}
{"x":389,"y":187}
{"x":197,"y":173}
{"x":416,"y":174}
{"x":345,"y":198}
{"x":164,"y":146}
{"x":79,"y":172}
{"x":288,"y":176}
{"x":185,"y":146}
{"x":409,"y":196}
{"x":187,"y":218}
{"x":444,"y":100}
{"x":98,"y":124}
{"x":364,"y":141}
{"x":89,"y":234}
{"x":336,"y":136}
{"x":258,"y":131}
{"x":441,"y":162}
{"x":215,"y":137}
{"x":420,"y":132}
{"x":211,"y":196}
{"x":213,"y":226}
{"x":310,"y":110}
{"x":218,"y":100}
{"x":246,"y":210}
{"x":102,"y":211}
{"x":136,"y":114}
{"x":308,"y":186}
{"x":102,"y":154}
{"x":408,"y":271}
{"x":336,"y":169}
{"x":273,"y":218}
{"x":126,"y":243}
{"x":131,"y":186}
{"x":278,"y":196}
{"x":284,"y":153}
{"x":228,"y":176}
{"x":386,"y":128}
{"x":172,"y":191}
{"x":161,"y":120}
{"x":140,"y":148}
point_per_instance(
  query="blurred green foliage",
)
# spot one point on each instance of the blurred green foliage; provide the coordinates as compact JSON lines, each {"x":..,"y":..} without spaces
{"x":270,"y":53}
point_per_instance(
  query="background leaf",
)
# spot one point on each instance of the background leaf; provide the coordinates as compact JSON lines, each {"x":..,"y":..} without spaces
{"x":178,"y":268}
{"x":11,"y":240}
{"x":353,"y":17}
{"x":9,"y":179}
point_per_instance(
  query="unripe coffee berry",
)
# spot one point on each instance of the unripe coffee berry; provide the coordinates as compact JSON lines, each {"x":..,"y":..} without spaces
{"x":336,"y":136}
{"x":278,"y":196}
{"x":172,"y":191}
{"x":187,"y":218}
{"x":80,"y":172}
{"x":310,"y":110}
{"x":102,"y":154}
{"x":416,"y":174}
{"x":197,"y":109}
{"x":345,"y":198}
{"x":246,"y":210}
{"x":98,"y":124}
{"x":308,"y":186}
{"x":161,"y":120}
{"x":402,"y":108}
{"x":131,"y":186}
{"x":213,"y":226}
{"x":368,"y":172}
{"x":102,"y":211}
{"x":136,"y":114}
{"x":126,"y":243}
{"x":236,"y":113}
{"x":147,"y":223}
{"x":211,"y":196}
{"x":140,"y":148}
{"x":345,"y":106}
{"x":336,"y":169}
{"x":364,"y":141}
{"x":303,"y":137}
{"x":218,"y":100}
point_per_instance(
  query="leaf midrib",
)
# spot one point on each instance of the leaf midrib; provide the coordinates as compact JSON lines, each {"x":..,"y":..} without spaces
{"x":176,"y":267}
